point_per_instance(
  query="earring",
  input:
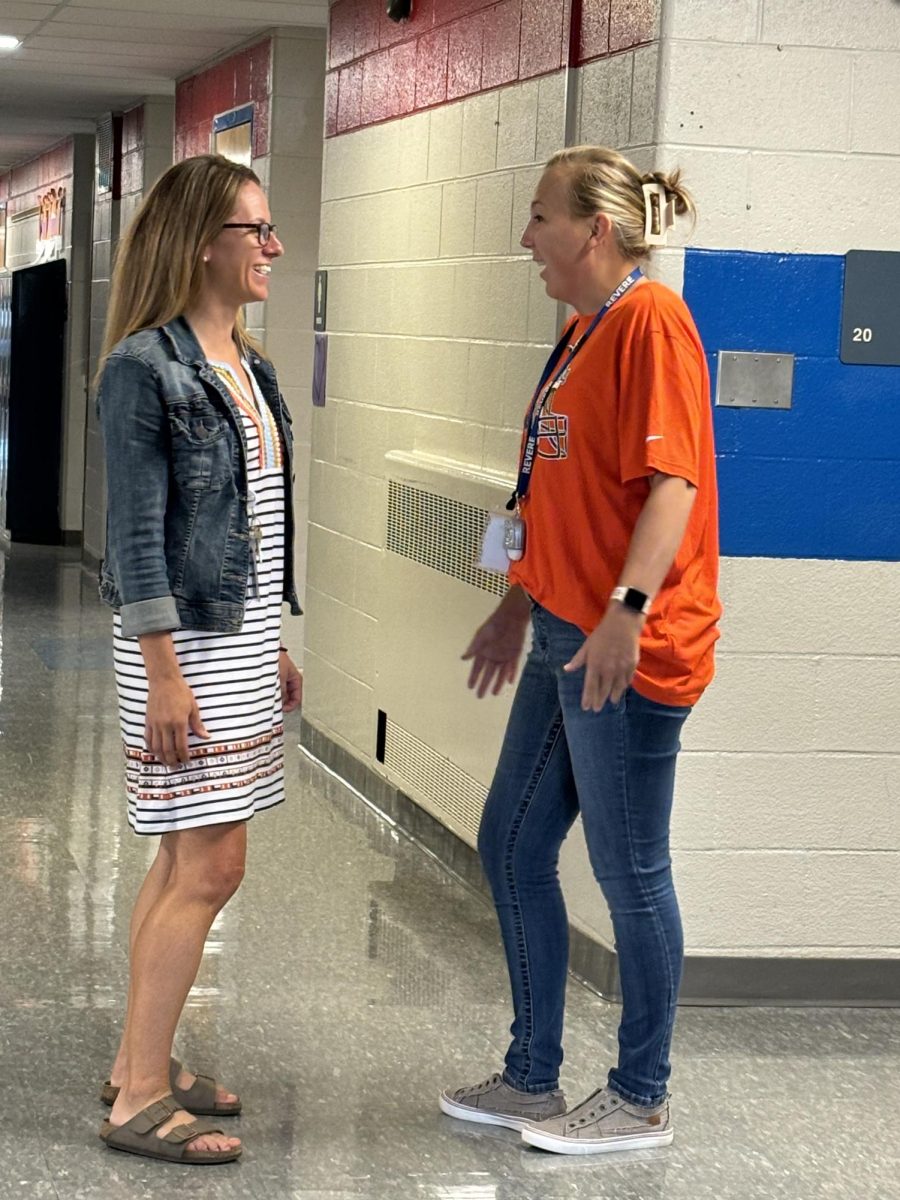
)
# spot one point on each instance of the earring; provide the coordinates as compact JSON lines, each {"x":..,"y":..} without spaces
{"x":206,"y":258}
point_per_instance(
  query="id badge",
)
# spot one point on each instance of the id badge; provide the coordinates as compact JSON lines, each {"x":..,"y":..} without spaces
{"x":503,"y":542}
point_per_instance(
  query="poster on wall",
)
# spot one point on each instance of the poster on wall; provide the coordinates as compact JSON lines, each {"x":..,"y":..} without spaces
{"x":51,"y":223}
{"x":232,"y":134}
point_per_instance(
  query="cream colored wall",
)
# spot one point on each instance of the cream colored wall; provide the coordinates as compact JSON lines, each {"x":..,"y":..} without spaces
{"x":293,"y":176}
{"x":437,"y":328}
{"x":786,"y":827}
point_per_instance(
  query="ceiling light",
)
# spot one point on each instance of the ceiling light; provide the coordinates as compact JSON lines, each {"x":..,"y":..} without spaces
{"x":9,"y":43}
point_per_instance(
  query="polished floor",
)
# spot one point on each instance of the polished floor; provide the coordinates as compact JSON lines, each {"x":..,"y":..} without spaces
{"x":346,"y":983}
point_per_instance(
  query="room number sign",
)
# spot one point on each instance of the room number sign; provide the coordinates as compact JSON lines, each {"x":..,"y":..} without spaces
{"x":870,"y":320}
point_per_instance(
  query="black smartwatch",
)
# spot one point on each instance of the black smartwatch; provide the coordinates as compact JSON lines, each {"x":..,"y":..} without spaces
{"x":638,"y":602}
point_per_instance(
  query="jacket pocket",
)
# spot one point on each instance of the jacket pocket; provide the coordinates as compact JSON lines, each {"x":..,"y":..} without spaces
{"x":201,"y":446}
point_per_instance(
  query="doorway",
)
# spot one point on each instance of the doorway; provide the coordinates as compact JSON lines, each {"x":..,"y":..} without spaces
{"x":37,"y":359}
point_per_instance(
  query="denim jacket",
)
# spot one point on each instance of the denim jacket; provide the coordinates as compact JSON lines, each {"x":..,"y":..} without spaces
{"x":177,"y":531}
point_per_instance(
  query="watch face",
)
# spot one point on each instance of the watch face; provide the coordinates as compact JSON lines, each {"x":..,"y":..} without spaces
{"x":634,"y":599}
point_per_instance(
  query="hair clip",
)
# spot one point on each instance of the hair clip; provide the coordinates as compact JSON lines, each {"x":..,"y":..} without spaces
{"x":659,"y":214}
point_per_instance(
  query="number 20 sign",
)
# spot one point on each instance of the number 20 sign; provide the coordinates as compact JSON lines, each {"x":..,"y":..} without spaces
{"x":870,"y":320}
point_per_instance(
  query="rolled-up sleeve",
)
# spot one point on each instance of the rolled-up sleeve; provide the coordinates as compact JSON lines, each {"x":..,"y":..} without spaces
{"x":136,"y":440}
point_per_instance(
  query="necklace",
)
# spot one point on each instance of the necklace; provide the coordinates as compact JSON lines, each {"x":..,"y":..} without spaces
{"x":260,"y":414}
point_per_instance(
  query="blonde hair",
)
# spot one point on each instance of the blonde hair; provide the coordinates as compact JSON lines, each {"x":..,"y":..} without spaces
{"x":159,"y":268}
{"x":601,"y":180}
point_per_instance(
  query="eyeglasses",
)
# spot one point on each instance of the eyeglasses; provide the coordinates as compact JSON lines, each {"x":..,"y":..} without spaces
{"x":263,"y":229}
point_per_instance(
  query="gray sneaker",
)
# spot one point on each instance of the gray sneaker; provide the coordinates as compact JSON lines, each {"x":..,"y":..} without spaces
{"x":496,"y":1103}
{"x":602,"y":1122}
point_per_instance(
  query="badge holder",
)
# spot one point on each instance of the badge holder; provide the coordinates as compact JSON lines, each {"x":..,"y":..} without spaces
{"x":503,"y":542}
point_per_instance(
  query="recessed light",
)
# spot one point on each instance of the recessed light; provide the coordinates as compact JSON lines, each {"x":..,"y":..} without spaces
{"x":9,"y":43}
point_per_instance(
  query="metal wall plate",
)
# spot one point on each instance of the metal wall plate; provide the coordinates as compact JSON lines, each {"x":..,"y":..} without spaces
{"x":748,"y":379}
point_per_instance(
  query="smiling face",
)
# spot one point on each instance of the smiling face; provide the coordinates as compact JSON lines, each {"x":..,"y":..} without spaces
{"x":237,"y":267}
{"x":560,"y":242}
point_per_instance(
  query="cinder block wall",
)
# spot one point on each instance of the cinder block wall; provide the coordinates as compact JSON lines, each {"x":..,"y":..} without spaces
{"x":786,"y":828}
{"x":282,"y":76}
{"x":786,"y":831}
{"x":437,"y":325}
{"x":790,"y":840}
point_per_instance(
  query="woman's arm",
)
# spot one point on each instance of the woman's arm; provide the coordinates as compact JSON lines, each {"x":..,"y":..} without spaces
{"x":610,"y":654}
{"x":136,"y":441}
{"x":497,"y":645}
{"x":291,"y":678}
{"x":171,"y":708}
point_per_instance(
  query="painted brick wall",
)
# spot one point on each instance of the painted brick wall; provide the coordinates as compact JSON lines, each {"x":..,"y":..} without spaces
{"x":241,"y":78}
{"x":379,"y":69}
{"x":437,"y":328}
{"x":824,"y":473}
{"x":786,"y":825}
{"x":283,"y":77}
{"x":26,"y":182}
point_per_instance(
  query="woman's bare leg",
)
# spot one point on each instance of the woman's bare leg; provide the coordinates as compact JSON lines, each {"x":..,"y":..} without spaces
{"x":151,"y":889}
{"x":154,"y":883}
{"x":205,"y":870}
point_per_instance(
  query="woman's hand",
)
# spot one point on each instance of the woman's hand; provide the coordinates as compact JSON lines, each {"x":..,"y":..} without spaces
{"x":497,"y":645}
{"x":291,"y":682}
{"x":171,"y":712}
{"x":609,"y":657}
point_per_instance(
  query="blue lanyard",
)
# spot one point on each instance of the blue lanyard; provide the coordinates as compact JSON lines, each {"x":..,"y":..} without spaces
{"x":546,"y":389}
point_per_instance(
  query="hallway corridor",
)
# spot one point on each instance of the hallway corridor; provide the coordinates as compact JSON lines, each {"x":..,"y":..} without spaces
{"x":348,"y":981}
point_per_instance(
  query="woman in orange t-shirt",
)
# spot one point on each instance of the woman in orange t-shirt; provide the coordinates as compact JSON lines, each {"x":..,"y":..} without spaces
{"x":615,"y":560}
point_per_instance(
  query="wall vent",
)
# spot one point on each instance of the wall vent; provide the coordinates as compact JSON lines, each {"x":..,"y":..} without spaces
{"x":450,"y":794}
{"x":436,"y":741}
{"x":439,"y":532}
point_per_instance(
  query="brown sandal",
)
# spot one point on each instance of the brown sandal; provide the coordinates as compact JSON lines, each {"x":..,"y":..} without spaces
{"x":199,"y":1098}
{"x":138,"y":1136}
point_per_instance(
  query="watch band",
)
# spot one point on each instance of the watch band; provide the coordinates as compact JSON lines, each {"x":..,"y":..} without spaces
{"x":638,"y":602}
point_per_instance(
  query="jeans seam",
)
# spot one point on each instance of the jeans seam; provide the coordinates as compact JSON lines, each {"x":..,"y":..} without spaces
{"x":623,"y":762}
{"x":518,"y":921}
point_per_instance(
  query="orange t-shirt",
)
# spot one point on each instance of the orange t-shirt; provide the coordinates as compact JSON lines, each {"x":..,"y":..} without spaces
{"x":636,"y":402}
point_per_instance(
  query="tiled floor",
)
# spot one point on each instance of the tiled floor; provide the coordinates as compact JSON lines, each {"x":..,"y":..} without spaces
{"x":348,"y":980}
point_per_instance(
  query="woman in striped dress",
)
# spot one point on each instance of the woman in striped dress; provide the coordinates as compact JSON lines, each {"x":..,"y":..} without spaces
{"x":198,"y":563}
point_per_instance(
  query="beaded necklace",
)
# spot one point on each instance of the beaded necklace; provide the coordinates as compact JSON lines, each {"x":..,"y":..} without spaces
{"x":256,"y":409}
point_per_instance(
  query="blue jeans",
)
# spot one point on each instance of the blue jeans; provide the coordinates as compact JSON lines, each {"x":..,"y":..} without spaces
{"x":617,"y":767}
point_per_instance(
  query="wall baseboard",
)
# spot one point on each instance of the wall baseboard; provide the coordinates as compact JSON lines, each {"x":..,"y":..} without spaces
{"x":708,"y":980}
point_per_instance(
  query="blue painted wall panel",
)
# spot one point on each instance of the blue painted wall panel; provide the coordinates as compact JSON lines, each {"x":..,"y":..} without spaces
{"x":806,"y":508}
{"x":823,"y":479}
{"x":773,"y":302}
{"x":835,"y":414}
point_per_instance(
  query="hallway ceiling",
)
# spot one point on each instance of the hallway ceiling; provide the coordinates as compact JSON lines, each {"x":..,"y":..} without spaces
{"x":81,"y":58}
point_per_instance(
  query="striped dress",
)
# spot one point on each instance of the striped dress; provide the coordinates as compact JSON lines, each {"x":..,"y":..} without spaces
{"x":239,"y":769}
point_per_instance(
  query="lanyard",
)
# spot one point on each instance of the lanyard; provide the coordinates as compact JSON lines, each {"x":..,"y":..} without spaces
{"x":546,"y":389}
